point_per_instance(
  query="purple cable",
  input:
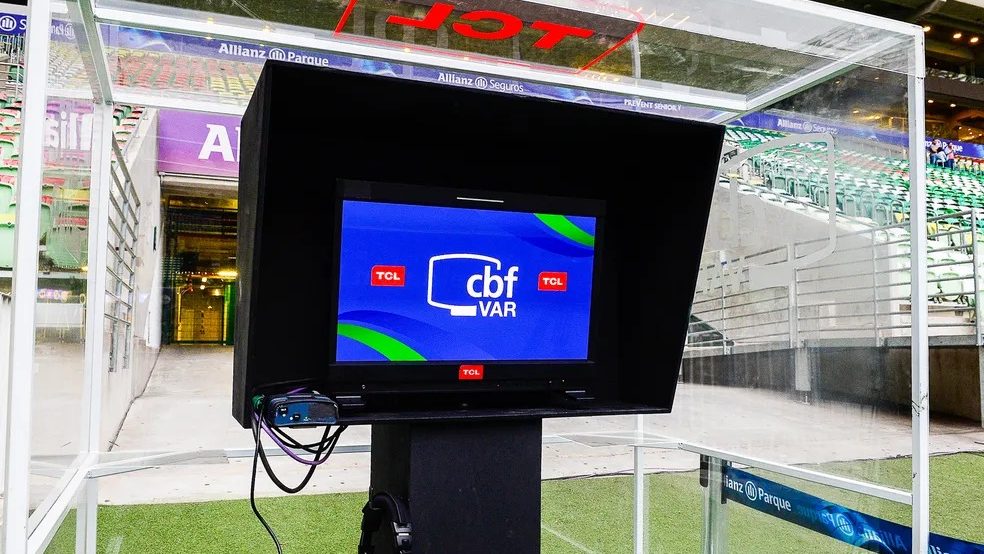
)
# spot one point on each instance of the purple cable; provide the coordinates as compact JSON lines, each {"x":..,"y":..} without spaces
{"x":287,"y":450}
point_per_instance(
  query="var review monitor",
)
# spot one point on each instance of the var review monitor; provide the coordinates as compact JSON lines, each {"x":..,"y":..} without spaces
{"x":455,"y":254}
{"x":421,"y":283}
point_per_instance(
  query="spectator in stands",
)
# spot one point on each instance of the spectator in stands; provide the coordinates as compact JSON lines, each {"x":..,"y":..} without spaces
{"x":950,"y":155}
{"x":936,"y":152}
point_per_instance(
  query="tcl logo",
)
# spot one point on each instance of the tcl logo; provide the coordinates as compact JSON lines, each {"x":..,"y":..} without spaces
{"x":388,"y":275}
{"x":473,"y":372}
{"x":500,"y":25}
{"x":552,"y":281}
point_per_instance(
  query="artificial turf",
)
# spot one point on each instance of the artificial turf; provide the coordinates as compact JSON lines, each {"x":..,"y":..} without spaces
{"x":579,"y":515}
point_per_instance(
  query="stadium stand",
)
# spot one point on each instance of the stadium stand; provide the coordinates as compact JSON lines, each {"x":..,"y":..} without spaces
{"x":183,"y":73}
{"x":65,"y":189}
{"x":872,"y":191}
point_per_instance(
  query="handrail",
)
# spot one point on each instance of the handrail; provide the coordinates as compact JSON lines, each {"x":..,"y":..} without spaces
{"x":149,"y":460}
{"x":838,"y":289}
{"x":844,"y":483}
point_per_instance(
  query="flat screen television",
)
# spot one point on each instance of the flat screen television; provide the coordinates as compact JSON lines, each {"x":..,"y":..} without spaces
{"x":423,"y":252}
{"x":479,"y":278}
{"x":440,"y":285}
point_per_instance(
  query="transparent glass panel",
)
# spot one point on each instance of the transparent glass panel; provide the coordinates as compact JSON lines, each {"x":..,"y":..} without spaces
{"x":586,"y":495}
{"x":798,"y":350}
{"x":808,"y":370}
{"x":70,"y":132}
{"x":64,"y":539}
{"x":674,"y":505}
{"x":587,"y":514}
{"x":60,"y":314}
{"x":954,"y":497}
{"x":4,"y":367}
{"x":150,"y":509}
{"x":704,"y":53}
{"x":212,"y":514}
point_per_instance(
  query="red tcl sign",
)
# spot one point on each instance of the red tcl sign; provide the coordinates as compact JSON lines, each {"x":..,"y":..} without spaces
{"x":500,"y":25}
{"x":552,"y":281}
{"x":471,"y":372}
{"x":584,"y":38}
{"x":388,"y":275}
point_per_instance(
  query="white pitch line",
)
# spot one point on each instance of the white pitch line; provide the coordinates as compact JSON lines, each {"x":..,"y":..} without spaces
{"x":115,"y":544}
{"x":568,"y":540}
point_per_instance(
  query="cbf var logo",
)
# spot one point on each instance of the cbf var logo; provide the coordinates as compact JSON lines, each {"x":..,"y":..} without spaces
{"x":456,"y":283}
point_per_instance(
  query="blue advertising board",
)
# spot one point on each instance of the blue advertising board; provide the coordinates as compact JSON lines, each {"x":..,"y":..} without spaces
{"x":13,"y":24}
{"x":833,"y":520}
{"x":117,"y":36}
{"x":459,"y":284}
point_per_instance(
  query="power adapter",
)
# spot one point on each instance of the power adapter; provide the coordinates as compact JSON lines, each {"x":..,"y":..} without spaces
{"x":301,"y":410}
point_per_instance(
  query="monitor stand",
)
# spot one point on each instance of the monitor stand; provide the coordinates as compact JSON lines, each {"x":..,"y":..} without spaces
{"x":471,"y":487}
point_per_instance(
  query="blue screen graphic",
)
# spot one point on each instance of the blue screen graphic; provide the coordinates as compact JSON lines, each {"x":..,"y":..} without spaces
{"x":426,"y":283}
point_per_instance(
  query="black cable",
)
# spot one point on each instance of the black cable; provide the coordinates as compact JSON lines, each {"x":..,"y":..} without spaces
{"x":252,"y":493}
{"x":325,"y":447}
{"x":327,"y":442}
{"x":294,"y":443}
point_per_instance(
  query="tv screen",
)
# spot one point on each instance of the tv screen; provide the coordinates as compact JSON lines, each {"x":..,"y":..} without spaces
{"x":423,"y":283}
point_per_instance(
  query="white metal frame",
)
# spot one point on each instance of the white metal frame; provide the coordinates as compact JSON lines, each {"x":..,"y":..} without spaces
{"x":85,"y":530}
{"x":27,"y":231}
{"x":920,"y":306}
{"x":18,"y":537}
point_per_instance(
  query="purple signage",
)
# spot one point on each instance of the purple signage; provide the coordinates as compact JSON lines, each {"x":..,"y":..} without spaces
{"x":198,"y":143}
{"x":13,"y":24}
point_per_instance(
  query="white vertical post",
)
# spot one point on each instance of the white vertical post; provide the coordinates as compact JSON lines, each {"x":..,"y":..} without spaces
{"x":715,"y":510}
{"x":874,"y":286}
{"x":639,"y":494}
{"x":85,"y":517}
{"x":791,"y":303}
{"x":26,"y":235}
{"x":639,"y":508}
{"x":920,"y":304}
{"x":101,"y":165}
{"x":976,"y":262}
{"x":4,"y":373}
{"x":978,"y":323}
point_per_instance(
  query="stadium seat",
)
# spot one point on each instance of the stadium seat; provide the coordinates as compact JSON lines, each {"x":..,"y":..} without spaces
{"x":64,"y":195}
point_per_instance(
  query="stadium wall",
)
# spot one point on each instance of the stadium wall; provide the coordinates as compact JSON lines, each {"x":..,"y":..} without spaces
{"x":868,"y":375}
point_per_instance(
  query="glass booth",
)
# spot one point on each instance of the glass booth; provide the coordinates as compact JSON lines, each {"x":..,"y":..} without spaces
{"x":833,"y":264}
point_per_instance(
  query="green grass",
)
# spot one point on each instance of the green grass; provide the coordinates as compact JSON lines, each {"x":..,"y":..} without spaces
{"x":595,"y":513}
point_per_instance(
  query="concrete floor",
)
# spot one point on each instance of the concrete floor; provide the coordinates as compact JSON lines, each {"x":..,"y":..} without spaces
{"x":187,"y":406}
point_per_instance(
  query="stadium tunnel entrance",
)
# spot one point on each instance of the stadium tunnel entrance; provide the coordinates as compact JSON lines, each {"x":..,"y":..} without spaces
{"x":199,"y":259}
